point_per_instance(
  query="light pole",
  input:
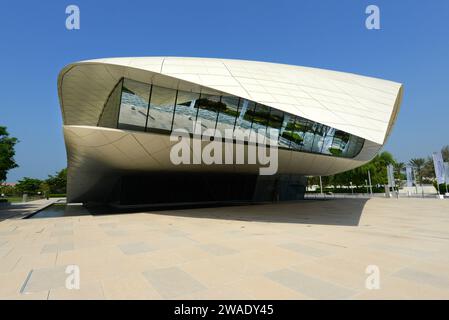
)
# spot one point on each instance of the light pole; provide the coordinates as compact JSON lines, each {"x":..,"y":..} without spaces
{"x":370,"y":185}
{"x":366,"y":184}
{"x":321,"y":186}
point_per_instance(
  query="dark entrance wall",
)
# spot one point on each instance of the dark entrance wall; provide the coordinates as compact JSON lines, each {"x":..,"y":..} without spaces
{"x":165,"y":188}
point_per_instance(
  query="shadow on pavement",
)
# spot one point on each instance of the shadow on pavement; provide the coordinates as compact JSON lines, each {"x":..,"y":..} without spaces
{"x":344,"y":212}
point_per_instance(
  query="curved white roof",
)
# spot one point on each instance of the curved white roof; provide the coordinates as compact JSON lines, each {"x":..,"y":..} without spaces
{"x":363,"y":106}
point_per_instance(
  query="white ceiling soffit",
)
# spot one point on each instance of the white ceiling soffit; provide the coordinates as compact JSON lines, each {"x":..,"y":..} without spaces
{"x":363,"y":106}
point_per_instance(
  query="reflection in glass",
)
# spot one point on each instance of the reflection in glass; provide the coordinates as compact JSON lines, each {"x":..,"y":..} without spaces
{"x":274,"y":125}
{"x":339,"y":143}
{"x":245,"y":118}
{"x":228,"y":115}
{"x":286,"y":133}
{"x":134,"y":105}
{"x":109,"y":115}
{"x":353,"y":147}
{"x":260,"y":117}
{"x":327,"y":142}
{"x":137,"y":100}
{"x":185,"y":111}
{"x":320,"y":132}
{"x":208,"y":107}
{"x":160,"y":115}
{"x":304,"y":129}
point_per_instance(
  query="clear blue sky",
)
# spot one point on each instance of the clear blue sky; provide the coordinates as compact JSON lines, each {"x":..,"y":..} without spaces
{"x":412,"y":47}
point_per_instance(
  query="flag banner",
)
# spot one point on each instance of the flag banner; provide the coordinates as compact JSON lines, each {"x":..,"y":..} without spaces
{"x":438,"y":163}
{"x":409,"y":173}
{"x":446,"y":171}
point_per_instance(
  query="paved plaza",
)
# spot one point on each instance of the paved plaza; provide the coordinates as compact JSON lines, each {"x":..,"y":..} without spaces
{"x":303,"y":250}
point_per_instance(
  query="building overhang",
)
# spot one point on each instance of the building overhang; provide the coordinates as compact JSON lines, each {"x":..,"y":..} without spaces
{"x":363,"y":106}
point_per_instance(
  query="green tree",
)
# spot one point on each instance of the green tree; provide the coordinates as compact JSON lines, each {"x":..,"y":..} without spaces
{"x":28,"y":185}
{"x":428,"y":170}
{"x":358,"y":176}
{"x":399,"y":168}
{"x":7,"y":153}
{"x":445,"y":153}
{"x":58,"y":182}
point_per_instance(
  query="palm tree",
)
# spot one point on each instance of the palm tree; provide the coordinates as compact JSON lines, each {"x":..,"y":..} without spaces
{"x":445,"y":153}
{"x":399,"y":167}
{"x":418,"y":164}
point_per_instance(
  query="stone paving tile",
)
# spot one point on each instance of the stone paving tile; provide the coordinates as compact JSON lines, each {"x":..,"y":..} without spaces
{"x":117,"y":233}
{"x":261,"y":288}
{"x":129,"y":287}
{"x":310,"y":286}
{"x":36,"y":261}
{"x":308,"y":250}
{"x":423,"y":277}
{"x":216,"y":249}
{"x":57,"y":247}
{"x":86,"y":291}
{"x":9,"y":233}
{"x":107,"y":225}
{"x":4,"y":251}
{"x":135,"y":248}
{"x":413,"y":252}
{"x":44,"y":279}
{"x":172,"y":282}
{"x":61,"y":233}
{"x":303,"y":250}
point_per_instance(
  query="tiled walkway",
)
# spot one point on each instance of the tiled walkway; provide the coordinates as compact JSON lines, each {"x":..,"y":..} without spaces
{"x":304,"y":250}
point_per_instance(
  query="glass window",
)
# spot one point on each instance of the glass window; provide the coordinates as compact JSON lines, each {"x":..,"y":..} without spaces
{"x":274,"y":124}
{"x":286,"y":134}
{"x":260,"y":118}
{"x":208,"y":107}
{"x":185,"y":111}
{"x":353,"y":147}
{"x":134,"y":105}
{"x":160,"y":115}
{"x":228,"y":115}
{"x":304,"y":129}
{"x":318,"y":140}
{"x":339,"y":143}
{"x":245,"y":117}
{"x":328,"y":140}
{"x":109,"y":115}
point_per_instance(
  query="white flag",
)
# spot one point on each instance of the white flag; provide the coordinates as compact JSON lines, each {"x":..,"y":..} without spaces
{"x":446,"y":170}
{"x":439,"y":167}
{"x":409,"y":172}
{"x":390,"y":175}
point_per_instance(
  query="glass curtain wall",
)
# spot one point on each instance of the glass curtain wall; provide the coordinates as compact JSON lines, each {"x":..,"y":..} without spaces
{"x":185,"y":110}
{"x":160,"y":116}
{"x":134,"y":105}
{"x":145,"y":107}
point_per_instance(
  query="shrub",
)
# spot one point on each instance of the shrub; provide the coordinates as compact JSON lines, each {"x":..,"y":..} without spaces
{"x":56,"y":195}
{"x":442,"y":187}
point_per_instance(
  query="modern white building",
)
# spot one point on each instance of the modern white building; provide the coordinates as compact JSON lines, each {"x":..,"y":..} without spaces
{"x":118,"y":115}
